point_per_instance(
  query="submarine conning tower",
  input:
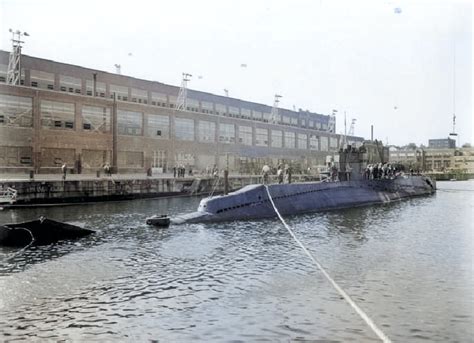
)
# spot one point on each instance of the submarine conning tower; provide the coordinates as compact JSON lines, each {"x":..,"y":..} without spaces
{"x":354,"y":160}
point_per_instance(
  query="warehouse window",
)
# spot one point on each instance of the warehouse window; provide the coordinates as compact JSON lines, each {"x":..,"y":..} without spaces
{"x":99,"y":88}
{"x":158,"y":126}
{"x":184,"y":129}
{"x":313,"y":142}
{"x":290,"y":140}
{"x":55,"y":114}
{"x":226,"y":133}
{"x":245,"y":135}
{"x":261,"y":137}
{"x":96,"y":118}
{"x":69,"y":83}
{"x":41,"y":79}
{"x":277,"y":139}
{"x":121,"y":92}
{"x":159,"y":99}
{"x":207,"y":131}
{"x":207,"y":107}
{"x":16,"y":111}
{"x":130,"y":123}
{"x":302,"y":141}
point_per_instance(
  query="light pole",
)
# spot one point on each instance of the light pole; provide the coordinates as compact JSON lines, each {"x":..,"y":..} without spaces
{"x":14,"y":63}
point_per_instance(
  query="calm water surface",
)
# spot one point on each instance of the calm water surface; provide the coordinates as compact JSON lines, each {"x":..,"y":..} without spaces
{"x":408,"y":265}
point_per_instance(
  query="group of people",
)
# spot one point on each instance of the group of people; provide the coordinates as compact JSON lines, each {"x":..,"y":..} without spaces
{"x":180,"y":171}
{"x":282,"y":174}
{"x":214,"y":171}
{"x":380,"y":171}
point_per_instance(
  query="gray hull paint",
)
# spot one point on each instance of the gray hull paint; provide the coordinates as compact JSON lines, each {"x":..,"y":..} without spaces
{"x":251,"y":202}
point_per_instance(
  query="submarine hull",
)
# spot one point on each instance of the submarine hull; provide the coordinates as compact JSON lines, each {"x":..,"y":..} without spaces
{"x":252,"y":202}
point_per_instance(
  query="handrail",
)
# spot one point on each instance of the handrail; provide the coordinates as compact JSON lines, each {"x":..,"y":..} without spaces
{"x":8,"y":195}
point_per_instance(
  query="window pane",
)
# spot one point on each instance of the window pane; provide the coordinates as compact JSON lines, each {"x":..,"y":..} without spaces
{"x":290,"y":140}
{"x":313,"y":142}
{"x":221,"y":109}
{"x":245,"y":135}
{"x":59,"y":115}
{"x":158,"y":126}
{"x":184,"y":129}
{"x":130,"y":123}
{"x":302,"y":141}
{"x":70,"y":84}
{"x":100,"y":88}
{"x":15,"y":111}
{"x":41,"y":79}
{"x":207,"y":131}
{"x":261,"y":137}
{"x":324,"y":143}
{"x":227,"y":133}
{"x":277,"y":139}
{"x":96,"y":118}
{"x":121,"y":92}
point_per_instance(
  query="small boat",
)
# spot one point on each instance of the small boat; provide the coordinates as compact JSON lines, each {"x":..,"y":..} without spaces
{"x":42,"y":231}
{"x":161,"y":220}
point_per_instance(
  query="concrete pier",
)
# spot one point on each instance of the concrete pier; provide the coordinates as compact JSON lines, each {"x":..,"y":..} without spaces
{"x":51,"y":189}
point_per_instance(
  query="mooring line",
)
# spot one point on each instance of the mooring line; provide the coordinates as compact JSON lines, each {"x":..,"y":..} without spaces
{"x":12,"y":255}
{"x":351,"y":302}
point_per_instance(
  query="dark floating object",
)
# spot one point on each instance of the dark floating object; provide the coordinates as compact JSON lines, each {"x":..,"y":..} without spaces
{"x":161,"y":220}
{"x":42,"y":231}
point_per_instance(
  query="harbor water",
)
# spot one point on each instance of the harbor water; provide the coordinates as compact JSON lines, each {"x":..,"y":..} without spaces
{"x":408,"y":265}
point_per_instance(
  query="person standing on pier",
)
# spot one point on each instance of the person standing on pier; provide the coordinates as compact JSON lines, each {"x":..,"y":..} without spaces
{"x":280,"y":174}
{"x":64,"y":170}
{"x":265,"y":172}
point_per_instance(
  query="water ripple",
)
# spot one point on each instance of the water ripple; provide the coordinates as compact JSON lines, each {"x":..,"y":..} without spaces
{"x":406,"y":264}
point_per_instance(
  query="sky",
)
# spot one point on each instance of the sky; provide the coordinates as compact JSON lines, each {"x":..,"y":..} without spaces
{"x":403,"y":66}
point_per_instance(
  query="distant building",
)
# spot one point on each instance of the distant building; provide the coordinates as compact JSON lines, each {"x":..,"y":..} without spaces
{"x":443,"y":143}
{"x":411,"y":158}
{"x":435,"y":160}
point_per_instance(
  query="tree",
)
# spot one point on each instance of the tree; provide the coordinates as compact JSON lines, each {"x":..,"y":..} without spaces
{"x":467,"y":145}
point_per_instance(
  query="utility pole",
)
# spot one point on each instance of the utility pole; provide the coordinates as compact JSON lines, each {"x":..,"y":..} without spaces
{"x":332,"y":122}
{"x":183,"y":93}
{"x":351,"y":129}
{"x":345,"y":130}
{"x":274,"y":114}
{"x":454,"y":134}
{"x":95,"y":84}
{"x":114,"y":136}
{"x":14,"y":63}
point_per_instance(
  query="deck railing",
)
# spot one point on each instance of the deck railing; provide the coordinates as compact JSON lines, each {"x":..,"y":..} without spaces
{"x":8,"y":195}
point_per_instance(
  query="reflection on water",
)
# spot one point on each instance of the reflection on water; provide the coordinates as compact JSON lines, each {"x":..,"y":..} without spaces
{"x":408,"y":265}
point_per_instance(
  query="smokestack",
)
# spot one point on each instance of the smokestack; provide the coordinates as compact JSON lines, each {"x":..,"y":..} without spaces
{"x":372,"y":133}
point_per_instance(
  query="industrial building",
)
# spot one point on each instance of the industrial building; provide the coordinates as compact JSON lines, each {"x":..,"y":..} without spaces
{"x":86,"y":118}
{"x":435,"y":159}
{"x":443,"y":143}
